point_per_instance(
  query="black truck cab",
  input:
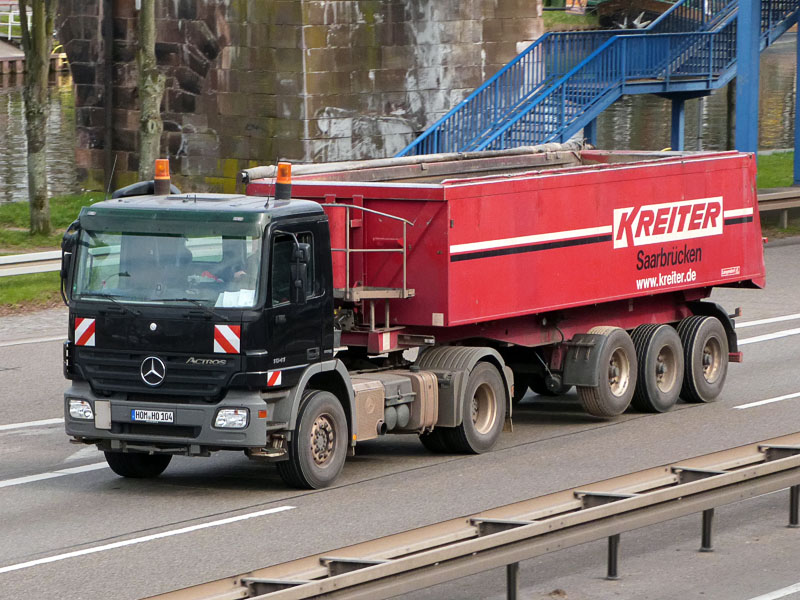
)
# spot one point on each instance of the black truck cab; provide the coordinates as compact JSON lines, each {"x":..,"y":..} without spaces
{"x":190,"y":316}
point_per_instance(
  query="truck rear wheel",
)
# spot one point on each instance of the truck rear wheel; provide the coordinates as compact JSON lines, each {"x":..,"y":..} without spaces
{"x":705,"y":353}
{"x":319,"y":444}
{"x":484,"y":410}
{"x":616,"y":377}
{"x":660,"y":373}
{"x":136,"y":465}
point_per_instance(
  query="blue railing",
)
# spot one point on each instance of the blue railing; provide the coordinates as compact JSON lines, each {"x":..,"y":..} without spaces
{"x":547,"y":92}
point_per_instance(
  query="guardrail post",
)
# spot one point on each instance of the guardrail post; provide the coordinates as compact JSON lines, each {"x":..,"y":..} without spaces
{"x":794,"y":506}
{"x":512,"y":581}
{"x":613,"y":557}
{"x":783,"y":220}
{"x":706,"y":544}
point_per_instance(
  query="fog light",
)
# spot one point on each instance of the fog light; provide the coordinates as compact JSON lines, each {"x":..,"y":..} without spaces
{"x":80,"y":409}
{"x":231,"y":418}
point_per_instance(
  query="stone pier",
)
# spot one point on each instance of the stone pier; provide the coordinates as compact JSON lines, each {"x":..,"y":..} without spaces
{"x":252,"y":81}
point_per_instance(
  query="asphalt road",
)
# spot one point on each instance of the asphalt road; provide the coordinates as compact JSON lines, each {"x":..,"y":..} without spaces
{"x":69,"y":528}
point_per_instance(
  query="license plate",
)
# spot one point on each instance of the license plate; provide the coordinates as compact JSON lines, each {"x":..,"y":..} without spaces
{"x":153,"y":416}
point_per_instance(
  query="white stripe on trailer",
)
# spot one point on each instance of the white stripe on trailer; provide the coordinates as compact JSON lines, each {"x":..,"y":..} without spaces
{"x":530,"y":239}
{"x":737,"y":212}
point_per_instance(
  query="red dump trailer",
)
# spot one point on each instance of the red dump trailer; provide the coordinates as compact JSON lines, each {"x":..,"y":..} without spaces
{"x":416,"y":295}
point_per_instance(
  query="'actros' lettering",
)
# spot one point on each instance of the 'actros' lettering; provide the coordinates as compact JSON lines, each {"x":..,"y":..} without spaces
{"x":668,"y":222}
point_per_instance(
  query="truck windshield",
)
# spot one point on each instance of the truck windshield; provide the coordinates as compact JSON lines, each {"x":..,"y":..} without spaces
{"x":168,"y":269}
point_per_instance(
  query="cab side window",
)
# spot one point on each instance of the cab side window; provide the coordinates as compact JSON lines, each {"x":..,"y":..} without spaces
{"x":281,"y":261}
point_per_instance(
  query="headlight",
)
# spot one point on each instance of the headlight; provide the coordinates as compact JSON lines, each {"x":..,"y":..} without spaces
{"x":231,"y":418}
{"x":80,"y":409}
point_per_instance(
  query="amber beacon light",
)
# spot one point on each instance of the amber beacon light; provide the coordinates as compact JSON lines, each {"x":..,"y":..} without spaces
{"x":162,"y":180}
{"x":283,"y":181}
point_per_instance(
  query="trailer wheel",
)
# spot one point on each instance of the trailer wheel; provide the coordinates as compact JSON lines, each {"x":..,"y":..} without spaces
{"x":705,"y":354}
{"x":484,"y":410}
{"x":660,"y":374}
{"x":137,"y":466}
{"x":319,"y":444}
{"x":616,"y":376}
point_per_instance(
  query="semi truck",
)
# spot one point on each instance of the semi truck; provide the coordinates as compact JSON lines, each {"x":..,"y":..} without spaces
{"x":341,"y":302}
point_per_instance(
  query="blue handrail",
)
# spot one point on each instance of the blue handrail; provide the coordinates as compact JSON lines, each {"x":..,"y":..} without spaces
{"x":539,"y":95}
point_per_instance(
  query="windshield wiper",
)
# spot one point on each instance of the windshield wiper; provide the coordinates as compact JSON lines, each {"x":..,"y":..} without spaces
{"x":199,"y":305}
{"x":116,"y":302}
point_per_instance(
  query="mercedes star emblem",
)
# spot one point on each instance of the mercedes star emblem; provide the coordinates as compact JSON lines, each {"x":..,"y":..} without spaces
{"x":153,"y":371}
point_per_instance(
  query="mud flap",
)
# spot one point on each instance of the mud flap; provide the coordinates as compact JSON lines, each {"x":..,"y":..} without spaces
{"x":581,"y":362}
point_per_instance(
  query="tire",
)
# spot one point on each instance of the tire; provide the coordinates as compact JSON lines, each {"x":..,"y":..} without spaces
{"x":705,"y":358}
{"x":319,"y":445}
{"x":616,"y":377}
{"x":137,"y":466}
{"x":483,"y":414}
{"x":660,"y":373}
{"x":437,"y":441}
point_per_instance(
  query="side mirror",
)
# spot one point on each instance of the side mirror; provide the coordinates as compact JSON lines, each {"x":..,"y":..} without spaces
{"x":68,"y":245}
{"x":299,"y":271}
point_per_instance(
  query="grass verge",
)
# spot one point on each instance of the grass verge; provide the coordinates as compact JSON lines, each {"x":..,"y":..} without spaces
{"x":562,"y":20}
{"x":15,"y":222}
{"x":775,"y":170}
{"x":29,"y":292}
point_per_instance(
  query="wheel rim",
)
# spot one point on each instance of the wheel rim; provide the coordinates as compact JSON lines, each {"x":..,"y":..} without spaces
{"x":484,"y":408}
{"x":619,"y":372}
{"x":712,"y":360}
{"x":323,"y":438}
{"x":666,"y":372}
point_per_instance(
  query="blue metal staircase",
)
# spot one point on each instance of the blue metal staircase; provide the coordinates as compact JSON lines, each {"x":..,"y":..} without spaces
{"x":563,"y":81}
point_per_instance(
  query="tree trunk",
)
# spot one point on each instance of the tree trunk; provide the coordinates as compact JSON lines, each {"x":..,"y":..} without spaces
{"x":151,"y":91}
{"x":37,"y":43}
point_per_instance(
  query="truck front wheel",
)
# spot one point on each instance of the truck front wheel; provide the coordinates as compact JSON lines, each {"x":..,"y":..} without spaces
{"x":484,"y":410}
{"x":319,"y":444}
{"x":137,"y":466}
{"x":616,"y":376}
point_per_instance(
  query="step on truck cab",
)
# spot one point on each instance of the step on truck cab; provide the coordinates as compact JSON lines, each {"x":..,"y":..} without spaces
{"x":420,"y":295}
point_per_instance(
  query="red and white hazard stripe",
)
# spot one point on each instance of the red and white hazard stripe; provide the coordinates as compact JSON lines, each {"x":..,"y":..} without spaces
{"x":227,"y":339}
{"x":84,"y":331}
{"x":273,"y":378}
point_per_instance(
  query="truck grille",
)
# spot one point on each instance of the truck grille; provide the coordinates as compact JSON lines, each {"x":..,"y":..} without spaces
{"x":156,"y":430}
{"x":118,"y":371}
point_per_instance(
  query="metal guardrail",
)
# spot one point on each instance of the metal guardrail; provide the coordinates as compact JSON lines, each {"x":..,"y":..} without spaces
{"x":424,"y":557}
{"x":27,"y":264}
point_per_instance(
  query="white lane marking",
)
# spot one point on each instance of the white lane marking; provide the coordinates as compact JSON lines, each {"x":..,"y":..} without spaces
{"x":52,"y":475}
{"x":140,"y":540}
{"x":769,"y":336}
{"x":769,"y":400}
{"x":82,"y":454}
{"x":59,"y":338}
{"x":12,"y":426}
{"x":792,"y":589}
{"x":768,"y":321}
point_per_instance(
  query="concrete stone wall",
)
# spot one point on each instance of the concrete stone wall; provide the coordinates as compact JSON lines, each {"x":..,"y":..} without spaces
{"x":251,"y":81}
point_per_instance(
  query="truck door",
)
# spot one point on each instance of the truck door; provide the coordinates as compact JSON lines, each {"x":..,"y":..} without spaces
{"x":294,"y":330}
